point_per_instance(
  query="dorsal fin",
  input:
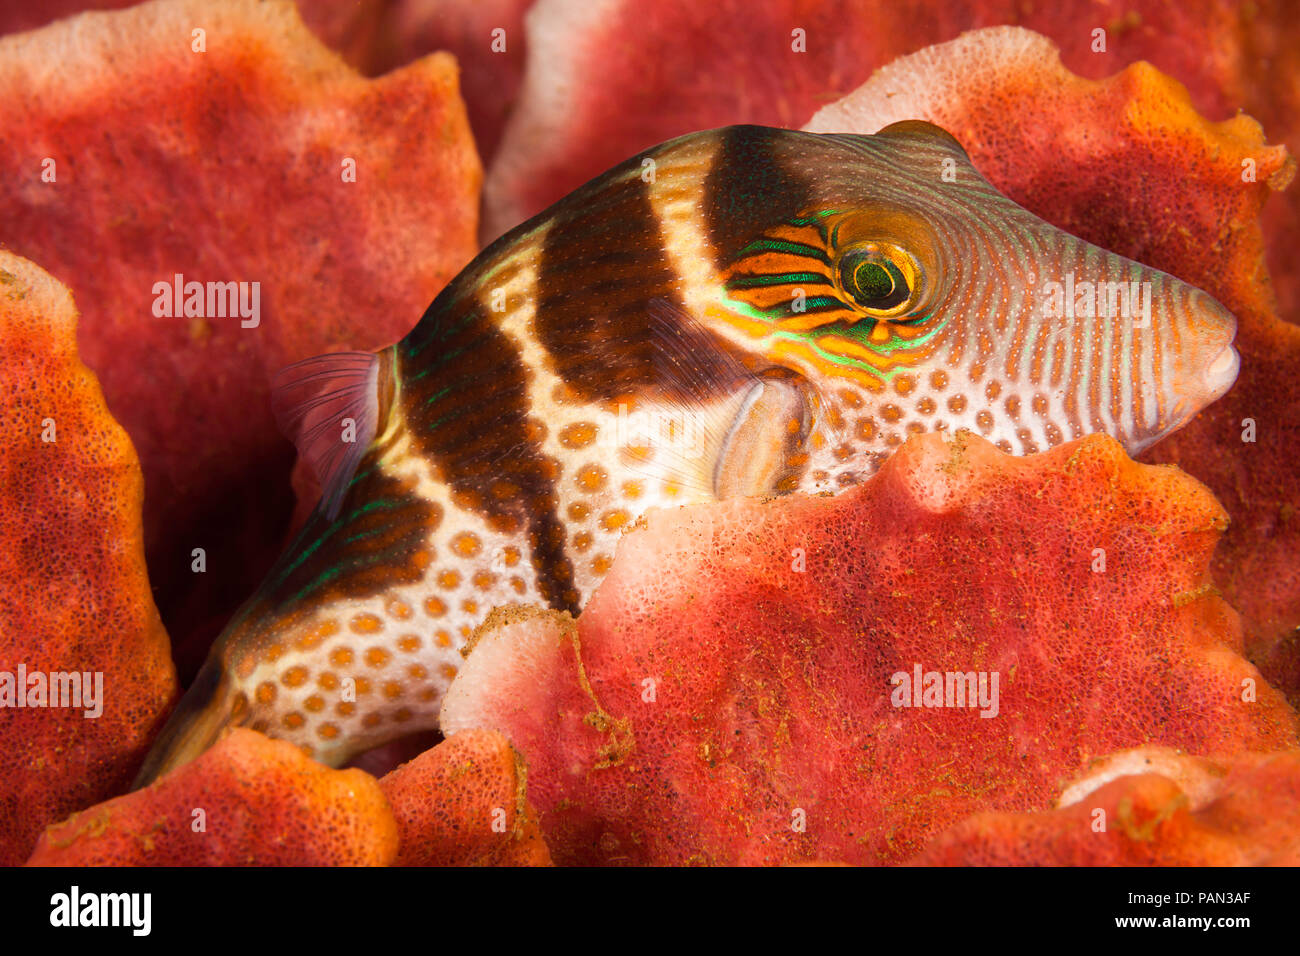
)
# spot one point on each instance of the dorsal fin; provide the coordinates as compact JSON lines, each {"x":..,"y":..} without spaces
{"x":925,"y":132}
{"x":313,"y":401}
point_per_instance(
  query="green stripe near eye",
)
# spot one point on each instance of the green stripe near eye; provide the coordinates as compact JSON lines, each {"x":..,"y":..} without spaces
{"x":789,"y":248}
{"x":821,"y":303}
{"x":815,"y":218}
{"x":782,"y":278}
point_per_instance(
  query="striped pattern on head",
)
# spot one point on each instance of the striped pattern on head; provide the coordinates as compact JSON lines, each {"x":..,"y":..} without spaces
{"x":913,"y":296}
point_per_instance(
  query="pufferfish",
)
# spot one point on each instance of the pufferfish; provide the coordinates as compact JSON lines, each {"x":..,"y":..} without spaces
{"x":742,"y":311}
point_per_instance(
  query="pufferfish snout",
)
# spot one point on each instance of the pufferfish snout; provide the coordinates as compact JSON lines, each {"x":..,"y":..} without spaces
{"x":742,"y":311}
{"x":1212,"y":329}
{"x":1000,"y":322}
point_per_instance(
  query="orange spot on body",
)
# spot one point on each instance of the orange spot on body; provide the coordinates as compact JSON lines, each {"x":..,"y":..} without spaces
{"x":467,"y":500}
{"x":313,"y":637}
{"x":613,"y":520}
{"x":503,"y":523}
{"x":466,"y":545}
{"x":578,"y":435}
{"x":504,"y":490}
{"x":592,"y":478}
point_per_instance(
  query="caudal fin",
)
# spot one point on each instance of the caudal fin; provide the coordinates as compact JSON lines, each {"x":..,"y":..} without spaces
{"x":208,"y":708}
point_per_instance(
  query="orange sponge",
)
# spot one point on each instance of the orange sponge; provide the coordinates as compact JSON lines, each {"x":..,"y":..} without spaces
{"x":464,"y":803}
{"x":248,"y":801}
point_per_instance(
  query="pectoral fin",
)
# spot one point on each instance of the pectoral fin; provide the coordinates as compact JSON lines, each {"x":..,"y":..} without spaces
{"x":770,"y":424}
{"x":755,"y":420}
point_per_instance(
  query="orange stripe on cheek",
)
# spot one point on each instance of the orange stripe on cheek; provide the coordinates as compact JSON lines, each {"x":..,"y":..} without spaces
{"x":778,"y":263}
{"x":816,"y":320}
{"x":881,"y":360}
{"x":800,"y":356}
{"x":751,"y":327}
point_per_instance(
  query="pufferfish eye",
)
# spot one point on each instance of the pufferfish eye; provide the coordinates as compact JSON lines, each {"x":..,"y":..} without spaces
{"x":879,"y":278}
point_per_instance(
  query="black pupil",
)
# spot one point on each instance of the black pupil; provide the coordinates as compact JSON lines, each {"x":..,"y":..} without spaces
{"x":874,"y":281}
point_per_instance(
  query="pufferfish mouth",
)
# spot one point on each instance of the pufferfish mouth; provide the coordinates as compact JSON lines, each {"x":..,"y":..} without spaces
{"x":1222,"y":372}
{"x":1221,"y":361}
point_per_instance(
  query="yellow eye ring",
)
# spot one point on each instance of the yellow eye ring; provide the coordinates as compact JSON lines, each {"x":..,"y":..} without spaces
{"x":879,"y":278}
